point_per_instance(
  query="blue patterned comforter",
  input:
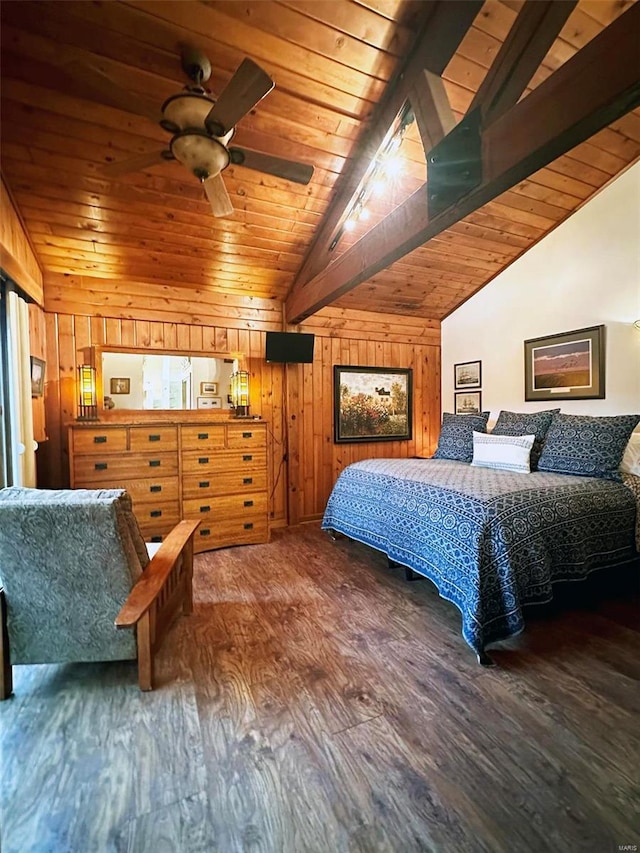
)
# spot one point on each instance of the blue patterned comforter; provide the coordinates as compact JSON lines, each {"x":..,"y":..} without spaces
{"x":490,"y":540}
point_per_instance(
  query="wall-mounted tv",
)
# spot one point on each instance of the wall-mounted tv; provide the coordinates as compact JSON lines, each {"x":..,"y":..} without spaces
{"x":294,"y":347}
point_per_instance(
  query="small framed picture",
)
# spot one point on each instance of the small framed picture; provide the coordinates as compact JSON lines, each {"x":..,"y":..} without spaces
{"x":120,"y":385}
{"x":37,"y":376}
{"x":209,"y":389}
{"x":468,"y":402}
{"x":468,"y":374}
{"x":209,"y":402}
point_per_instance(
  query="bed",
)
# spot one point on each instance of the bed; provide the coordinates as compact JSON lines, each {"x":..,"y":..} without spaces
{"x":492,"y":541}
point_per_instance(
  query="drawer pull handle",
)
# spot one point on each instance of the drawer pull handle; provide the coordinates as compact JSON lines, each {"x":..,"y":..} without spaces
{"x":248,"y":526}
{"x":247,"y":435}
{"x":99,"y":439}
{"x":247,"y":458}
{"x":155,"y":488}
{"x":203,"y":484}
{"x":246,"y":481}
{"x":205,"y":509}
{"x":205,"y":532}
{"x":202,"y":460}
{"x":203,"y":435}
{"x":155,"y":513}
{"x":156,"y":538}
{"x":100,"y":466}
{"x":154,"y":463}
{"x":154,"y":438}
{"x":248,"y":503}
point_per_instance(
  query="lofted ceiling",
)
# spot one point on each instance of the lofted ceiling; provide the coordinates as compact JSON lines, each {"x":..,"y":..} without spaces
{"x":332,"y":62}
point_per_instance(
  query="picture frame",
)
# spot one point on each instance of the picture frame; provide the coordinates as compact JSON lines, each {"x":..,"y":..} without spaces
{"x":120,"y":385}
{"x":467,"y":375}
{"x":467,"y":402}
{"x":565,"y":366}
{"x":38,"y":367}
{"x":372,"y":404}
{"x":209,"y":402}
{"x":209,"y":389}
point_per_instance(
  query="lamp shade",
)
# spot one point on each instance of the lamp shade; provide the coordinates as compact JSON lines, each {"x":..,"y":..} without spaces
{"x":240,"y":393}
{"x":87,"y":396}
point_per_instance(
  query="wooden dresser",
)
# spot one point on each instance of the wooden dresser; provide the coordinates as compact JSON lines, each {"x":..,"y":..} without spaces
{"x":216,"y":473}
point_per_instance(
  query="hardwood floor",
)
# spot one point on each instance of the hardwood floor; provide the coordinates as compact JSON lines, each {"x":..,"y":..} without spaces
{"x":316,"y":702}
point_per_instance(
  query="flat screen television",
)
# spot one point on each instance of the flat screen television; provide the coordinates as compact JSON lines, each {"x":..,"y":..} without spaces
{"x":295,"y":347}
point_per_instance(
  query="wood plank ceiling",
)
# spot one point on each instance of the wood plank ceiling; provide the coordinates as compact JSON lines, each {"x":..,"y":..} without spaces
{"x":331,"y":62}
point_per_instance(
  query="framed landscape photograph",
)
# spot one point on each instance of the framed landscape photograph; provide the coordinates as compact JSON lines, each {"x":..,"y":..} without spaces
{"x":372,"y":404}
{"x":567,"y":366}
{"x":468,"y":402}
{"x":468,"y":374}
{"x":209,"y":388}
{"x":37,"y":376}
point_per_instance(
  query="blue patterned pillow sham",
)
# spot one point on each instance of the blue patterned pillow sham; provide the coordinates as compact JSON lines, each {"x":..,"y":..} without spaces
{"x":587,"y":446}
{"x":456,"y":435}
{"x":526,"y":423}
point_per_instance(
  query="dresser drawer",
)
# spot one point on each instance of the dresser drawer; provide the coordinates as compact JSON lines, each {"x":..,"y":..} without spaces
{"x":246,"y":436}
{"x":99,"y":440}
{"x":88,"y":471}
{"x":223,"y":533}
{"x":153,"y":439}
{"x":152,"y":489}
{"x":226,"y":506}
{"x":234,"y":482}
{"x":156,"y":515}
{"x":202,"y":439}
{"x":226,"y":460}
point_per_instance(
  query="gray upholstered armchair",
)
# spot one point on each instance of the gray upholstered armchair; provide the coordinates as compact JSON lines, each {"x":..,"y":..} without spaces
{"x":74,"y":569}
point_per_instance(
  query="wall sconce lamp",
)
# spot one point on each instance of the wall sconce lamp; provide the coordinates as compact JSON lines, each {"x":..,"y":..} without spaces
{"x":87,"y":396}
{"x":240,"y":393}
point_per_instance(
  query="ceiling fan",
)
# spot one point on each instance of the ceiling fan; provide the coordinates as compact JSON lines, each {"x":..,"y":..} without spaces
{"x":201,"y":128}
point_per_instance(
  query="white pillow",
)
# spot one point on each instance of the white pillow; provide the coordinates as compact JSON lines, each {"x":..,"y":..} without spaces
{"x":631,"y":458}
{"x":510,"y":452}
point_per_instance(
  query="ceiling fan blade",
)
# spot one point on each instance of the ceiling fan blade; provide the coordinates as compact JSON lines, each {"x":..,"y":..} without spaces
{"x":218,"y":196}
{"x":98,"y":84}
{"x":247,"y":86}
{"x":290,"y":170}
{"x":132,"y":164}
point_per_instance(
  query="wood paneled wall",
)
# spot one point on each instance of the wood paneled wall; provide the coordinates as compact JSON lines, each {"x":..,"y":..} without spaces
{"x":16,"y":255}
{"x":295,"y":400}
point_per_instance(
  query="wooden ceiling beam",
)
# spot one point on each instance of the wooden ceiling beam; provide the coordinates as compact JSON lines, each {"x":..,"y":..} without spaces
{"x":442,"y":32}
{"x":533,"y":32}
{"x":431,"y":107}
{"x":595,"y":87}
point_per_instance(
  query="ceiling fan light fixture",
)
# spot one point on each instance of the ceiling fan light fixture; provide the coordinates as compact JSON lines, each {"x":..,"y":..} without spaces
{"x":187,"y":109}
{"x":200,"y":153}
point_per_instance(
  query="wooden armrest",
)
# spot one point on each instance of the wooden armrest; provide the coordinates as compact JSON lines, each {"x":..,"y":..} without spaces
{"x":155,"y":575}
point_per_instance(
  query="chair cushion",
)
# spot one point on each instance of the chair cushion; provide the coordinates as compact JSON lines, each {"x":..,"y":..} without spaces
{"x":67,"y":563}
{"x":456,"y":435}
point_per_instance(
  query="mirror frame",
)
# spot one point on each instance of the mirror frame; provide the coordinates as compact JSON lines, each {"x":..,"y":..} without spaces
{"x":94,"y":357}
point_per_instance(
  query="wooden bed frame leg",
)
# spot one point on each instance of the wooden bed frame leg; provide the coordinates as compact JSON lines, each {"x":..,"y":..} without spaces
{"x":410,"y":575}
{"x":6,"y":671}
{"x":484,"y":659}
